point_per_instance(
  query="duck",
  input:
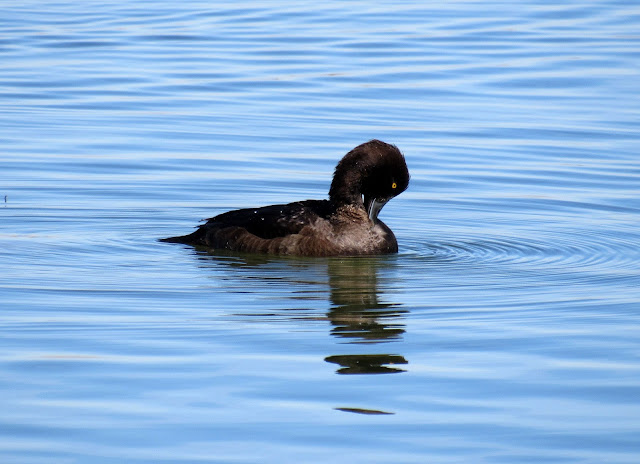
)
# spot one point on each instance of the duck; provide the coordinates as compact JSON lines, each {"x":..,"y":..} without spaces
{"x":346,"y":224}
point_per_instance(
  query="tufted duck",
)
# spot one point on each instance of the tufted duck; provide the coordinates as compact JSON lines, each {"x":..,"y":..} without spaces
{"x":346,"y":224}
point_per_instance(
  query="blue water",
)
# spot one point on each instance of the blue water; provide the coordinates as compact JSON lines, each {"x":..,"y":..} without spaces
{"x":507,"y":328}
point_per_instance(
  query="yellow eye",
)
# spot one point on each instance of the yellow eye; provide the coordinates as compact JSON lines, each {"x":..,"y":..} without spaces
{"x":394,"y":185}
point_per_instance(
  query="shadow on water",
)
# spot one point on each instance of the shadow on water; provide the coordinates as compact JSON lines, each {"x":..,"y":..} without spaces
{"x":355,"y":303}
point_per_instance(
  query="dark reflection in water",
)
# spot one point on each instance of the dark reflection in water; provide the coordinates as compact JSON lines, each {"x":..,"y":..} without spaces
{"x":355,"y":311}
{"x":367,"y":412}
{"x":356,"y":308}
{"x":367,"y":363}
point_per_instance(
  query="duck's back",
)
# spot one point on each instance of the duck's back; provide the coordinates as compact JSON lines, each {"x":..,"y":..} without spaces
{"x":273,"y":221}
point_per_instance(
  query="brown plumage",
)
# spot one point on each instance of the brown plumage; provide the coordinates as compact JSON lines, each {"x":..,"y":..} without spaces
{"x":346,"y":224}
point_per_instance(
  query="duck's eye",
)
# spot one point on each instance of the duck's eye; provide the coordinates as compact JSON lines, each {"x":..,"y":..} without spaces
{"x":394,"y":185}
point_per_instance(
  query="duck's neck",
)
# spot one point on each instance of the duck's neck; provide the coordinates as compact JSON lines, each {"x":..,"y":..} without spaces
{"x":345,"y":190}
{"x":346,"y":187}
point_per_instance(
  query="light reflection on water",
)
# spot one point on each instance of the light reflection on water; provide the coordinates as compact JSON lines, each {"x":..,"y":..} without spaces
{"x":509,"y":319}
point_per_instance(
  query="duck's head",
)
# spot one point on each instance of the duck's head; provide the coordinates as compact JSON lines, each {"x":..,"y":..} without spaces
{"x":369,"y":176}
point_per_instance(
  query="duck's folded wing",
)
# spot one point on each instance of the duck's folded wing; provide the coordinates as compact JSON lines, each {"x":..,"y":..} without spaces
{"x":272,"y":221}
{"x":266,"y":223}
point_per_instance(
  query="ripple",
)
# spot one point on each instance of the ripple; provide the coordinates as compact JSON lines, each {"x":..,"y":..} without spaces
{"x":581,"y":249}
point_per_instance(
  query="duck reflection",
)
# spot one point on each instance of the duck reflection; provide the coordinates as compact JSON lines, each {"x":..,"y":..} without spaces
{"x":367,"y":363}
{"x":357,"y":315}
{"x":355,"y":312}
{"x":356,"y":309}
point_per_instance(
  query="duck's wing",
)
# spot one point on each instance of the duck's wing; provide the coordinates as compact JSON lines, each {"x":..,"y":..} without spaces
{"x":266,"y":223}
{"x":272,"y":221}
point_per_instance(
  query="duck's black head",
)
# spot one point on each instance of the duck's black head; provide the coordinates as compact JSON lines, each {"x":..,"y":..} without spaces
{"x":369,"y":176}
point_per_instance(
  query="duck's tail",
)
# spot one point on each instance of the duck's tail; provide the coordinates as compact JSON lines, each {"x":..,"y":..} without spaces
{"x":193,"y":238}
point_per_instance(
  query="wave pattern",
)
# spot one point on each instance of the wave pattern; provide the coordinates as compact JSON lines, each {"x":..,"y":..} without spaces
{"x":582,"y":250}
{"x":509,"y":320}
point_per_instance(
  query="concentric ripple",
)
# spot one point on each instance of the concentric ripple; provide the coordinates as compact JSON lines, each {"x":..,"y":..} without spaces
{"x":582,"y":249}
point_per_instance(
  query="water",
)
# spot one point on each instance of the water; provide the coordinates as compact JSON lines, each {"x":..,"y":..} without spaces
{"x":505,"y":330}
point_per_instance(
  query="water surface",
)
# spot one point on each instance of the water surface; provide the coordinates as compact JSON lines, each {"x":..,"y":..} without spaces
{"x":505,"y":330}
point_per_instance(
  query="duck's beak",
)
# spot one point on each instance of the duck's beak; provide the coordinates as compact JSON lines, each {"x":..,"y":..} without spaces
{"x":374,"y":205}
